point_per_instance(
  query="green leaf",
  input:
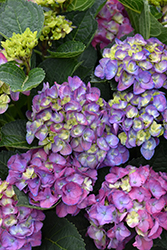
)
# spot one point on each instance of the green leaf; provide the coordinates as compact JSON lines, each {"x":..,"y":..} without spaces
{"x":11,"y":74}
{"x":23,"y":200}
{"x":105,"y":90}
{"x":134,"y":5}
{"x":144,"y":21}
{"x":60,"y":234}
{"x":158,"y":30}
{"x":134,"y":9}
{"x":58,"y":70}
{"x":68,"y":49}
{"x":154,"y":11}
{"x":86,"y":26}
{"x":4,"y":157}
{"x":95,"y":79}
{"x":82,"y":224}
{"x":17,"y":15}
{"x":161,"y":242}
{"x":13,"y":134}
{"x":134,"y":19}
{"x":80,"y":5}
{"x":97,"y":6}
{"x":15,"y":77}
{"x":35,"y":77}
{"x":88,"y":59}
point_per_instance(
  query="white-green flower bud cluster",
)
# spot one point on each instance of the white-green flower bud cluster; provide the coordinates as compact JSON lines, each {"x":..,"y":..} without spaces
{"x":19,"y":46}
{"x":55,"y":27}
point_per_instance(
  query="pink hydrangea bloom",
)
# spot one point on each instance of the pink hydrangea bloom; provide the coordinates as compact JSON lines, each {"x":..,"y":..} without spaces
{"x":127,"y":200}
{"x":51,"y":178}
{"x":112,"y":22}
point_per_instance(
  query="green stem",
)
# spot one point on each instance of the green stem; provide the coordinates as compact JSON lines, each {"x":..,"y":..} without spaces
{"x":26,"y":63}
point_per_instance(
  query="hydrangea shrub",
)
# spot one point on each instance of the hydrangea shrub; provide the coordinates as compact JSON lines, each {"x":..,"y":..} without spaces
{"x":83,"y":124}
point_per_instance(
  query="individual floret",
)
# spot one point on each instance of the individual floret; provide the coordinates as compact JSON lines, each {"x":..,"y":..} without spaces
{"x":112,"y":22}
{"x":131,"y":202}
{"x":20,"y":227}
{"x":135,"y":62}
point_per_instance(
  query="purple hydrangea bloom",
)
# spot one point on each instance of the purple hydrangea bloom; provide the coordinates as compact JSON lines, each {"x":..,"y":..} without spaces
{"x":20,"y":227}
{"x":73,"y":121}
{"x":48,"y":179}
{"x":138,"y":64}
{"x":139,"y":120}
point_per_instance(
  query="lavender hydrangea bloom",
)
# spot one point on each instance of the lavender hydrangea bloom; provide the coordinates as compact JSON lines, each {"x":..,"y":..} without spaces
{"x":140,"y":119}
{"x":139,"y":65}
{"x":72,"y":119}
{"x":133,"y":197}
{"x":20,"y":227}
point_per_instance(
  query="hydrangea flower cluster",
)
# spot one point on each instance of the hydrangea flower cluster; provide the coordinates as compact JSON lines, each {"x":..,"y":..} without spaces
{"x":19,"y":46}
{"x":72,"y":119}
{"x":55,"y":27}
{"x":139,"y":119}
{"x":112,"y":22}
{"x":135,"y":62}
{"x":50,"y":178}
{"x":20,"y":227}
{"x":132,"y":201}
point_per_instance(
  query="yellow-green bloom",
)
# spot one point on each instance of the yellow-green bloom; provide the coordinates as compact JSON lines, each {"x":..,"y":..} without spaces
{"x":19,"y":46}
{"x":55,"y":27}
